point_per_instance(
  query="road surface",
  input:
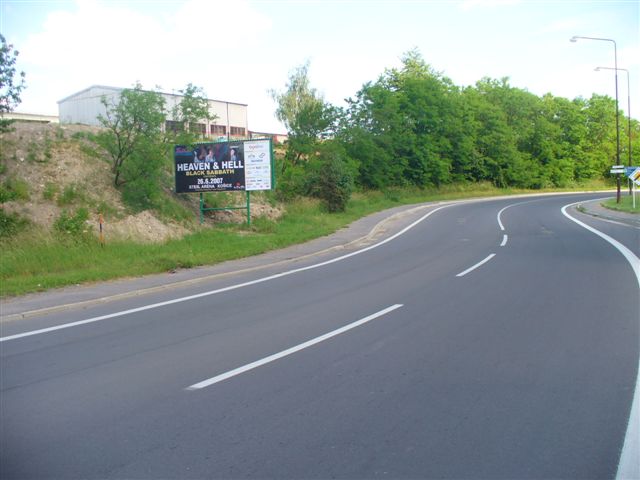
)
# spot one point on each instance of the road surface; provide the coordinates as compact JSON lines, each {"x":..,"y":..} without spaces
{"x":492,"y":339}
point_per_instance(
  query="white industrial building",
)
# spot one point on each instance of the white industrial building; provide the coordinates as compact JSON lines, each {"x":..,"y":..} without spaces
{"x":85,"y":106}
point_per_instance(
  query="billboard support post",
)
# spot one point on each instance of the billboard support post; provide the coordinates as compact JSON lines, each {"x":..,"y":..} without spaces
{"x":201,"y":208}
{"x":248,"y":207}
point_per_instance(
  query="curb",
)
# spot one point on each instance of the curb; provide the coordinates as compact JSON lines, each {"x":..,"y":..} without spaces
{"x":620,"y":218}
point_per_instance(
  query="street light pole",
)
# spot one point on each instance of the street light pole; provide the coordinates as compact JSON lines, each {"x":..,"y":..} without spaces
{"x":597,"y":69}
{"x":615,"y":56}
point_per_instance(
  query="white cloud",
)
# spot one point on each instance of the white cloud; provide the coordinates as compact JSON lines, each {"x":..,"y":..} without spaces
{"x":93,"y":42}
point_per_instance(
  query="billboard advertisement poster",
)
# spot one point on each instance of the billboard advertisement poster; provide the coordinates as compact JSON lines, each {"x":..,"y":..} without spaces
{"x":210,"y":167}
{"x":257,"y":156}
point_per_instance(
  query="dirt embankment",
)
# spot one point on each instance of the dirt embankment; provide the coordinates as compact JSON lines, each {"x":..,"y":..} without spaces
{"x":58,"y":169}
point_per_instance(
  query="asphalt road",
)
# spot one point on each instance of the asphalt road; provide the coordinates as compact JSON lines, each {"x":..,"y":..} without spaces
{"x":401,"y":361}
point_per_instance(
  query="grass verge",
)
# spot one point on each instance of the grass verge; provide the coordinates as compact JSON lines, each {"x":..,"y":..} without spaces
{"x":40,"y":261}
{"x":625,"y":205}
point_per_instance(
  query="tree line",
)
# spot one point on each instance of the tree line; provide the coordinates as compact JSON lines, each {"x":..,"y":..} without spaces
{"x":411,"y":127}
{"x":414,"y":127}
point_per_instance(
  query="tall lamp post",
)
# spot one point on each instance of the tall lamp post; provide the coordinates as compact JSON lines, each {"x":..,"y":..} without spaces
{"x":574,"y":39}
{"x":597,"y":69}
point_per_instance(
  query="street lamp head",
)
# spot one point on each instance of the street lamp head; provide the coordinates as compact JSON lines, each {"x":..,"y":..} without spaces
{"x":597,"y":69}
{"x":573,"y":39}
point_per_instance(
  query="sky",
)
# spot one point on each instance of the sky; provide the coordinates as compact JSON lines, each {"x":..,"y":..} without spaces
{"x":237,"y":50}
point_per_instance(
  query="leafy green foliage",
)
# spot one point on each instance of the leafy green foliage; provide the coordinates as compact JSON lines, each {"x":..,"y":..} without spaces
{"x":10,"y":89}
{"x":193,"y":114}
{"x":414,"y":127}
{"x":14,"y":189}
{"x":130,"y":124}
{"x":11,"y":224}
{"x":72,"y":224}
{"x":305,"y":114}
{"x":330,"y":177}
{"x":70,"y":194}
{"x":143,"y":171}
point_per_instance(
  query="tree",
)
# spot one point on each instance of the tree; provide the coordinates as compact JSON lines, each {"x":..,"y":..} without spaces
{"x":409,"y":114}
{"x":376,"y":135}
{"x":305,"y":115}
{"x":132,"y":123}
{"x":192,"y":110}
{"x":10,"y":90}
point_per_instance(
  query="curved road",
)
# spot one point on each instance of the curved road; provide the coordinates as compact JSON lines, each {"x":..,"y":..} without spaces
{"x":492,"y":339}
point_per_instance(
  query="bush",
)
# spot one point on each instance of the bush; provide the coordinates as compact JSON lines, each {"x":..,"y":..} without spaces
{"x":330,"y":178}
{"x":14,"y":189}
{"x":291,"y":183}
{"x":72,"y":224}
{"x":140,"y":194}
{"x":11,"y":224}
{"x":141,"y":178}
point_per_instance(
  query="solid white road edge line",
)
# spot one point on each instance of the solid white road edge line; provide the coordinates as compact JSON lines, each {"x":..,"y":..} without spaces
{"x":629,"y":466}
{"x":479,"y":264}
{"x":505,"y":237}
{"x":222,"y":290}
{"x":289,"y":351}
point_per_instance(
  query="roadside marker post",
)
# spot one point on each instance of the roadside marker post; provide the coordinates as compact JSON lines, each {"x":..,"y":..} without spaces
{"x":101,"y":221}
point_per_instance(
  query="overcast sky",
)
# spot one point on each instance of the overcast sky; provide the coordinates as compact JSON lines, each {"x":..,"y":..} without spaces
{"x":237,"y":50}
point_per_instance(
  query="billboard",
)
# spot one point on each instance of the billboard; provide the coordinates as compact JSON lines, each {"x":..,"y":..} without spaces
{"x":257,"y":156}
{"x":223,"y":166}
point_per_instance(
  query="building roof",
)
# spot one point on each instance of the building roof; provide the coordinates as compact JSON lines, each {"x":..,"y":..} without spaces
{"x":119,"y":89}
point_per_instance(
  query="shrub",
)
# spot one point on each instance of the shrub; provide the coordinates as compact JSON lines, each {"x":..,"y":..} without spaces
{"x":11,"y":224}
{"x":72,"y":224}
{"x":141,"y":178}
{"x":14,"y":189}
{"x":292,"y":183}
{"x":330,"y":178}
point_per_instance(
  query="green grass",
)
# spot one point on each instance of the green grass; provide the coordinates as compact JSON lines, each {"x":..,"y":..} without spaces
{"x":34,"y":260}
{"x":71,"y":194}
{"x":14,"y":189}
{"x":625,"y":205}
